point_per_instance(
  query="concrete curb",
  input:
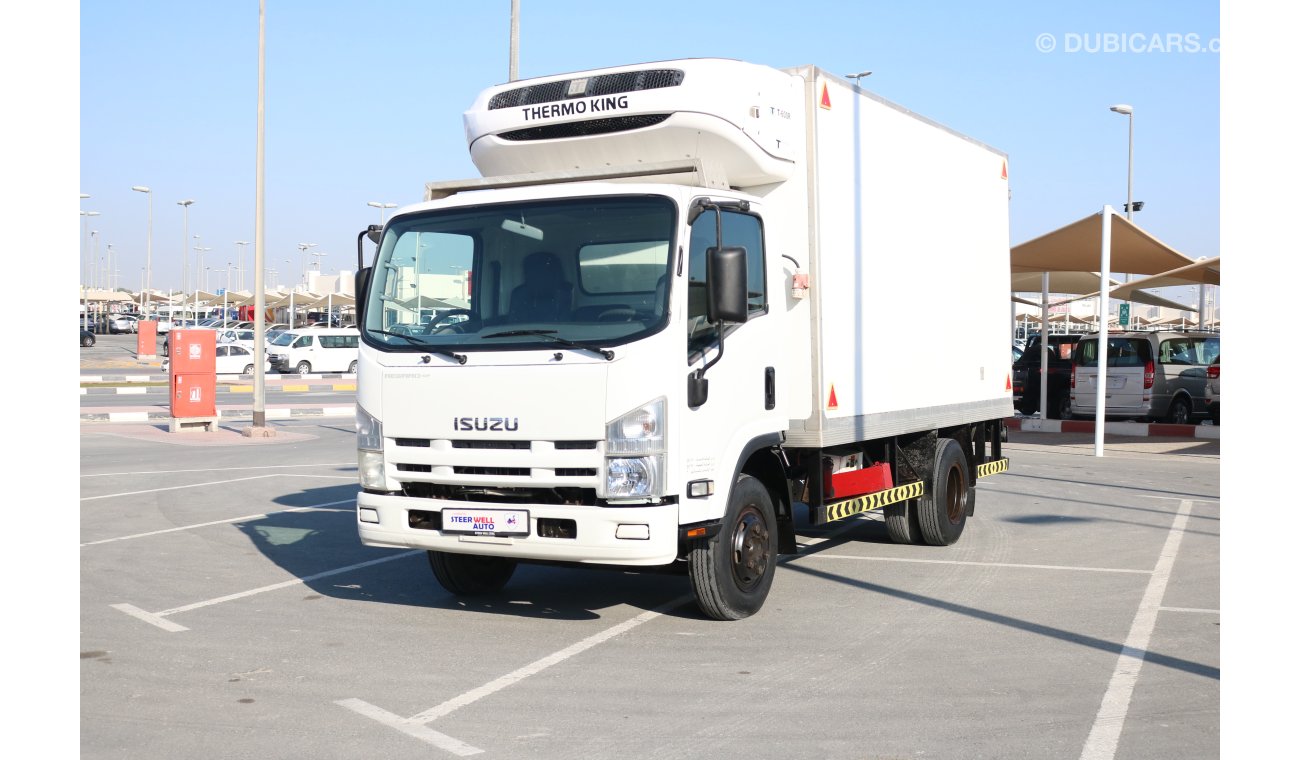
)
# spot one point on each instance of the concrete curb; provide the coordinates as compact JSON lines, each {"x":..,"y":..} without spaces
{"x":238,"y":413}
{"x":243,"y":378}
{"x":163,"y":389}
{"x":1134,"y":429}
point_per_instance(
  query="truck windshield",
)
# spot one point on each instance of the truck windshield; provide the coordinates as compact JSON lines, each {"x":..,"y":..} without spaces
{"x":591,"y":271}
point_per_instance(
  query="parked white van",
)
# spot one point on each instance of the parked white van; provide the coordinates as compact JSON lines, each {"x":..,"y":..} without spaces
{"x":1156,"y":375}
{"x":316,"y":349}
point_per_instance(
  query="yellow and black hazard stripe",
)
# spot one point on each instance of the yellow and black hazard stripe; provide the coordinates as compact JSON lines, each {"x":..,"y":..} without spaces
{"x":868,"y":502}
{"x":992,"y":468}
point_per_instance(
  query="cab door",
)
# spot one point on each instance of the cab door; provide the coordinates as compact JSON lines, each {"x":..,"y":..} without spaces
{"x":745,"y":406}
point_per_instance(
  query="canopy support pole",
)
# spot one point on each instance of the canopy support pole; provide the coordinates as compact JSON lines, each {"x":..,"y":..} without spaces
{"x":1103,"y":336}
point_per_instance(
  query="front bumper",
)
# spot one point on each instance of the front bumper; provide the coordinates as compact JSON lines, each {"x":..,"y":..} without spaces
{"x":384,"y":520}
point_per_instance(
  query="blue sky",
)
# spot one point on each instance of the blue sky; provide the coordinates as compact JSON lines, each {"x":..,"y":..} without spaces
{"x":364,"y":103}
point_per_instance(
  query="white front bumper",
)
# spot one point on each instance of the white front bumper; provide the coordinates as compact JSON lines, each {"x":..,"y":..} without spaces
{"x":595,"y":540}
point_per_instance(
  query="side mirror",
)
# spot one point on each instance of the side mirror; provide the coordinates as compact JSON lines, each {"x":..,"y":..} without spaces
{"x":360,"y":285}
{"x":728,"y":278}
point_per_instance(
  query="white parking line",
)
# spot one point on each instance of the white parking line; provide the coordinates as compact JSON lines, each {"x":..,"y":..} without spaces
{"x":192,"y":526}
{"x":442,"y":741}
{"x":415,"y":725}
{"x":157,"y":618}
{"x":219,"y":469}
{"x":175,"y":488}
{"x":1103,"y":739}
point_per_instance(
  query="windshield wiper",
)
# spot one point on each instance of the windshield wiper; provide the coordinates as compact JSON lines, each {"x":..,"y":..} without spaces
{"x":460,"y":358}
{"x":550,"y":335}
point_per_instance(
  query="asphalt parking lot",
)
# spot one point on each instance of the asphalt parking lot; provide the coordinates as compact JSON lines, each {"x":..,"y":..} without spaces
{"x":227,"y":609}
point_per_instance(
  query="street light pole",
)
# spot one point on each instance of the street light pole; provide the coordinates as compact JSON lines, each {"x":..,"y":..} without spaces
{"x":303,"y":248}
{"x":514,"y":40}
{"x":1124,"y":109}
{"x":240,"y":283}
{"x":148,"y":255}
{"x":381,"y":206}
{"x":185,"y":245}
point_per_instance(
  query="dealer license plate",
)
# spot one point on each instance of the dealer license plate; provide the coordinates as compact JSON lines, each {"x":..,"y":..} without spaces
{"x":487,"y":522}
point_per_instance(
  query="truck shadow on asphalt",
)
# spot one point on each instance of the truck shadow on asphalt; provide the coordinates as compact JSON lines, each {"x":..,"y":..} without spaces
{"x":320,"y":546}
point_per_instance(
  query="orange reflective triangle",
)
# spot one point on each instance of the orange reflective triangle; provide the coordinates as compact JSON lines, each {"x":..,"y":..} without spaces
{"x":1004,"y":168}
{"x":1008,"y":381}
{"x":832,"y":402}
{"x":826,"y":97}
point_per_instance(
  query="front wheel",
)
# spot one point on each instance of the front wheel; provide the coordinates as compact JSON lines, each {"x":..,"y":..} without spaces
{"x":948,"y":496}
{"x":352,"y":368}
{"x":304,"y":368}
{"x":731,"y":573}
{"x":471,"y":574}
{"x":1179,"y":412}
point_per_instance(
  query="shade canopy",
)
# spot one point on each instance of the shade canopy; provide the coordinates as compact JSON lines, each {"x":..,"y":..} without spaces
{"x":1077,"y":248}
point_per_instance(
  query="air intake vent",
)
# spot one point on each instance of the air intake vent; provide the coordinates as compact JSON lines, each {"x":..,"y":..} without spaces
{"x":605,"y":84}
{"x":583,"y":128}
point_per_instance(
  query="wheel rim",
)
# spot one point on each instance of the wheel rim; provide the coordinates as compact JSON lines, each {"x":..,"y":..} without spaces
{"x":956,"y":488}
{"x":750,"y":550}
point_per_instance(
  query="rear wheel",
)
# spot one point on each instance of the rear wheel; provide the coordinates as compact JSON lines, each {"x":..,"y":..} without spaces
{"x":732,"y":572}
{"x":303,"y":368}
{"x":248,"y":370}
{"x":902,"y":523}
{"x":1179,"y":412}
{"x":1060,"y":407}
{"x":471,"y":574}
{"x":942,"y":508}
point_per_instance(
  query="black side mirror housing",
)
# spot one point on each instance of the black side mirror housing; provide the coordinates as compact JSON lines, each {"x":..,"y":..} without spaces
{"x":361,"y":285}
{"x":728,"y":278}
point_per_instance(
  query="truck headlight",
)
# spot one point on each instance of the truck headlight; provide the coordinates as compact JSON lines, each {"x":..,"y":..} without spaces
{"x":633,"y":477}
{"x":370,"y":451}
{"x":639,"y":433}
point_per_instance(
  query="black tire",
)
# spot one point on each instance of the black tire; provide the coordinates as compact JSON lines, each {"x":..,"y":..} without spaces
{"x":1180,"y":412}
{"x":902,"y":523}
{"x":248,"y":370}
{"x":165,"y":351}
{"x":1060,"y":407}
{"x":948,"y":493}
{"x":731,"y":573}
{"x":303,"y":368}
{"x":352,"y":368}
{"x":87,"y":341}
{"x":471,"y":574}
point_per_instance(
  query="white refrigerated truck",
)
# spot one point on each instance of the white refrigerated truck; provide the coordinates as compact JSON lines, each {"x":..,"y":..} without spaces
{"x":686,"y":302}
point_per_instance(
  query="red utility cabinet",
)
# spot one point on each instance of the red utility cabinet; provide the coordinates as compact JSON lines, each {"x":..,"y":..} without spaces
{"x":193,"y":369}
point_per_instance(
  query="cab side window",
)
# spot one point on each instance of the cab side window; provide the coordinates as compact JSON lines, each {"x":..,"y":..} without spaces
{"x":303,"y":342}
{"x":738,"y":229}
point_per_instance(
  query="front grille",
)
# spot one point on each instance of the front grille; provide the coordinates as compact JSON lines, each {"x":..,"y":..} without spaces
{"x":605,"y":84}
{"x":491,"y":444}
{"x":512,"y":472}
{"x":414,"y":467}
{"x":583,"y":128}
{"x":575,"y":472}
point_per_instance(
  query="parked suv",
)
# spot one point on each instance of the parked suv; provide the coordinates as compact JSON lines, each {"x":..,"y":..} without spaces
{"x":1149,"y":375}
{"x":1026,"y":371}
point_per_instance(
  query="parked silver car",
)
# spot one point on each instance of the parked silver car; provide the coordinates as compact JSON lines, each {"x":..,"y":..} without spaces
{"x":1158,"y":375}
